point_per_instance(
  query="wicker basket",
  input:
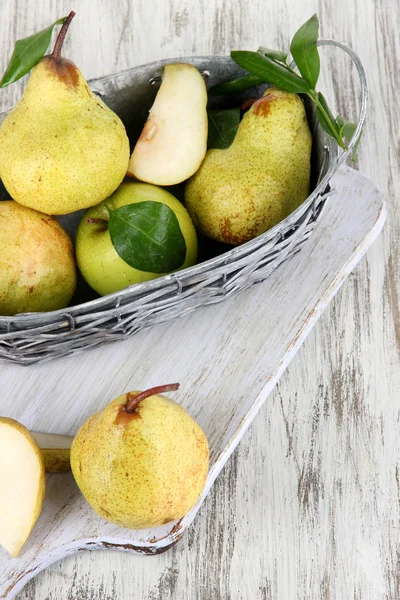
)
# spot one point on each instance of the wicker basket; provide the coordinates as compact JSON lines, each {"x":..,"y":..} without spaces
{"x":33,"y":337}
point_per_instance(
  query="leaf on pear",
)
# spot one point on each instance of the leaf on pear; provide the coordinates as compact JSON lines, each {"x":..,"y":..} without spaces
{"x":222,"y":127}
{"x":27,"y":53}
{"x":147,"y":236}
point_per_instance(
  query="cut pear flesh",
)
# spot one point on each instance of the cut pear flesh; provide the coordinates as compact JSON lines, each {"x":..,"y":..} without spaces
{"x":55,"y":451}
{"x":173,"y":142}
{"x":22,"y":474}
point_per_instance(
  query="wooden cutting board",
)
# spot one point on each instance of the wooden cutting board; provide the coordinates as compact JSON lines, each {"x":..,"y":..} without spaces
{"x":227,"y":357}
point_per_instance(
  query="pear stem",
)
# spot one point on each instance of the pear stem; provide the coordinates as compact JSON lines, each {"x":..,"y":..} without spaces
{"x":133,"y":400}
{"x":61,"y":36}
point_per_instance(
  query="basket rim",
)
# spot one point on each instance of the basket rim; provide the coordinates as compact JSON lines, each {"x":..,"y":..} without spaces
{"x":227,"y":257}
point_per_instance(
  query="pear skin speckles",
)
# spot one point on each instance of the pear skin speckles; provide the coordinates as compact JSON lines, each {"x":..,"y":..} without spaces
{"x":141,"y":472}
{"x":37,"y":263}
{"x":61,"y":148}
{"x":243,"y":191}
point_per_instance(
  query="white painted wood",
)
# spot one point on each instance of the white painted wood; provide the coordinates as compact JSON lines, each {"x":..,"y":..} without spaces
{"x":308,"y":506}
{"x":222,"y":390}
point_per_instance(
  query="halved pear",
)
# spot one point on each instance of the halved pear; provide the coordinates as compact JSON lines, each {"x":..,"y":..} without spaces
{"x":55,"y":450}
{"x":23,"y":484}
{"x":173,"y":142}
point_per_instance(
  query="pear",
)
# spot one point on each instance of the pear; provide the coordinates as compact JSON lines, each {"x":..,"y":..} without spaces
{"x":174,"y":139}
{"x":37,"y":265}
{"x":61,"y":147}
{"x":55,"y":450}
{"x":142,"y":461}
{"x":103,"y":269}
{"x":244,"y":190}
{"x":23,"y":484}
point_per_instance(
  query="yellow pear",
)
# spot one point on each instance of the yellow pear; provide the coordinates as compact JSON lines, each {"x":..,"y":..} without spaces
{"x":142,"y":461}
{"x":23,"y":484}
{"x":37,"y":265}
{"x":244,"y":190}
{"x":61,"y":147}
{"x":55,"y":450}
{"x":174,"y":139}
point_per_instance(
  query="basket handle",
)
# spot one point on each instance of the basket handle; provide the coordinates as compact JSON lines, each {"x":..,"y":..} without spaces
{"x":364,"y":96}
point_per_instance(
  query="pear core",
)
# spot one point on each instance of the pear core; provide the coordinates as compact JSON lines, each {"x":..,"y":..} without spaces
{"x":174,"y":138}
{"x":141,"y":469}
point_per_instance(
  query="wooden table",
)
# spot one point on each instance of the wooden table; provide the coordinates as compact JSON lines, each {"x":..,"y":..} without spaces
{"x":330,"y":429}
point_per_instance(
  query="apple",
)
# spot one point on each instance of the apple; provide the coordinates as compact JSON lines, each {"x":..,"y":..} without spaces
{"x":100,"y":264}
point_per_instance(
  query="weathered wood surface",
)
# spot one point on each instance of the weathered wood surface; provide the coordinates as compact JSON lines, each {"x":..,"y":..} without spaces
{"x":309,"y":505}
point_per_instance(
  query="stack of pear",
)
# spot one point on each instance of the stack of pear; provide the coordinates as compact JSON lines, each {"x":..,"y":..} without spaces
{"x":61,"y":148}
{"x":244,"y":190}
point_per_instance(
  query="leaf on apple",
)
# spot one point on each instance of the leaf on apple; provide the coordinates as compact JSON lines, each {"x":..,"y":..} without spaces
{"x":147,"y":236}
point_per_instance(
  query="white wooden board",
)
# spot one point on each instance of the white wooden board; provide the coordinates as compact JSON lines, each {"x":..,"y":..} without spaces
{"x":228,"y":358}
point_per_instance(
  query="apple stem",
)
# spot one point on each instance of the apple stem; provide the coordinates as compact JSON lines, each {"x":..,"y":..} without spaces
{"x":134,"y":399}
{"x":95,"y":220}
{"x":61,"y":36}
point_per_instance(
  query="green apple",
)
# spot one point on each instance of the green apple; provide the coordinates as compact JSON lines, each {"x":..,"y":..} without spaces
{"x":104,"y":270}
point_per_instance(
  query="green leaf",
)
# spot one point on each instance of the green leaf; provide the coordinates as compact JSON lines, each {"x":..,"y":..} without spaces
{"x":268,"y":70}
{"x":326,"y":118}
{"x":347,"y":130}
{"x":27,"y":53}
{"x":148,"y":237}
{"x":222,"y":127}
{"x":235,"y":85}
{"x":305,"y":52}
{"x":274,"y":54}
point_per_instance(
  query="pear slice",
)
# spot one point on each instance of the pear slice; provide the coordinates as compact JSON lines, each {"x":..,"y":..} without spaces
{"x":173,"y":142}
{"x":55,"y":451}
{"x":23,"y":484}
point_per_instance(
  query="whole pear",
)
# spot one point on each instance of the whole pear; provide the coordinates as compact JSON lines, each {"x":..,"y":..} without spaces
{"x":23,"y":484}
{"x":142,"y":461}
{"x":61,"y":147}
{"x":37,"y":265}
{"x":244,"y":190}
